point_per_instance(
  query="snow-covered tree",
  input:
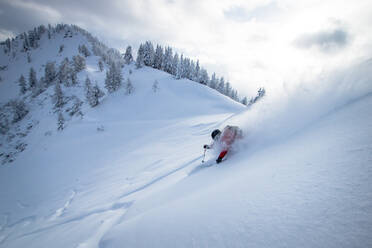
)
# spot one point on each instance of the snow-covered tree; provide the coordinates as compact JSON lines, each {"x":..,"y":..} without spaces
{"x":203,"y":77}
{"x":29,"y":58}
{"x":32,"y":39}
{"x":84,"y":50}
{"x":92,"y":93}
{"x":61,"y":121}
{"x":32,"y":81}
{"x":158,"y":57}
{"x":155,"y":86}
{"x":49,"y":73}
{"x":22,"y":84}
{"x":61,"y":47}
{"x":100,"y":65}
{"x":97,"y":94}
{"x":129,"y":88}
{"x":180,"y":68}
{"x":75,"y":109}
{"x":228,"y":90}
{"x":39,"y":87}
{"x":128,"y":58}
{"x":19,"y":110}
{"x":167,"y":60}
{"x":25,"y":45}
{"x":186,"y":68}
{"x":64,"y":72}
{"x":175,"y":63}
{"x":148,"y":54}
{"x":4,"y":123}
{"x":73,"y":78}
{"x":244,"y":101}
{"x":221,"y":86}
{"x":213,"y":82}
{"x":197,"y":72}
{"x":140,"y":57}
{"x":58,"y":97}
{"x":114,"y":78}
{"x":261,"y":93}
{"x":79,"y":63}
{"x":234,"y":95}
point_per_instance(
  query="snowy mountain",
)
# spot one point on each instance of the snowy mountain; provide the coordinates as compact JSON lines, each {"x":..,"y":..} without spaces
{"x":126,"y":173}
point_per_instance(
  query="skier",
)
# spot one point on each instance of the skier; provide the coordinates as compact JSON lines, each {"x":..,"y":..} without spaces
{"x":222,"y":141}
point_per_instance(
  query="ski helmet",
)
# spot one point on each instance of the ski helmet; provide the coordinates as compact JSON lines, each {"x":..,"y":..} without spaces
{"x":215,"y":133}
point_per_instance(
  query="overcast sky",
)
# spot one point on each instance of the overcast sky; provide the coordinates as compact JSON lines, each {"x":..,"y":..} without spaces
{"x":252,"y":43}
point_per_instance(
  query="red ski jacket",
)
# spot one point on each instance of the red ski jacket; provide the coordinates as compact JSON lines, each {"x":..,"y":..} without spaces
{"x":225,"y":140}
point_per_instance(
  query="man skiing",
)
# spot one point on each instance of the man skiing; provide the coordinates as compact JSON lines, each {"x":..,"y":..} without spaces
{"x":222,"y":141}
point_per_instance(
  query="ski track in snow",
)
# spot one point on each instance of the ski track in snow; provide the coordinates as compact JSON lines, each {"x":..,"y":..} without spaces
{"x":157,"y":179}
{"x":59,"y":212}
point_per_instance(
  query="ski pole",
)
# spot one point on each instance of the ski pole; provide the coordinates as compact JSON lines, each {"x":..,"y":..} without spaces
{"x":205,"y":149}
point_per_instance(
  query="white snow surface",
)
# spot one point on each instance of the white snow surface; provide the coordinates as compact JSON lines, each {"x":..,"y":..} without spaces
{"x":124,"y":175}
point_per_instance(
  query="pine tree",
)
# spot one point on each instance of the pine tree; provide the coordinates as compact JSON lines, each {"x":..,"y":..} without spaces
{"x":26,"y":45}
{"x":155,"y":86}
{"x":244,"y":101}
{"x":76,"y":107}
{"x":148,"y":54}
{"x":175,"y":63}
{"x":79,"y":63}
{"x":19,"y":110}
{"x":221,"y":86}
{"x":92,"y":94}
{"x":261,"y":93}
{"x":197,"y":72}
{"x":29,"y":58}
{"x":129,"y":87}
{"x":234,"y":95}
{"x":140,"y":57}
{"x":64,"y":72}
{"x":84,"y":50}
{"x":61,"y":47}
{"x":228,"y":90}
{"x":192,"y":75}
{"x":158,"y":57}
{"x":32,"y":81}
{"x":61,"y":121}
{"x":22,"y":84}
{"x":100,"y":65}
{"x":88,"y":89}
{"x":180,"y":68}
{"x":73,"y":77}
{"x":50,"y":73}
{"x":97,"y":94}
{"x":58,"y":96}
{"x":186,"y":68}
{"x":203,"y":78}
{"x":128,"y":58}
{"x":167,"y":62}
{"x":113,"y":78}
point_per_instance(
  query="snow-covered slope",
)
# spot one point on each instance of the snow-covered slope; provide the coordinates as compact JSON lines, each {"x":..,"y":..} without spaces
{"x":313,"y":190}
{"x":124,"y":174}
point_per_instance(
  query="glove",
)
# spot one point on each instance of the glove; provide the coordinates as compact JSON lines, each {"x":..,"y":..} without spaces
{"x":206,"y":147}
{"x":219,"y":160}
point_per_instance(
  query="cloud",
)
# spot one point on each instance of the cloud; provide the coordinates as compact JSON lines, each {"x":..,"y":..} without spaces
{"x":325,"y":41}
{"x":266,"y":12}
{"x":19,"y":16}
